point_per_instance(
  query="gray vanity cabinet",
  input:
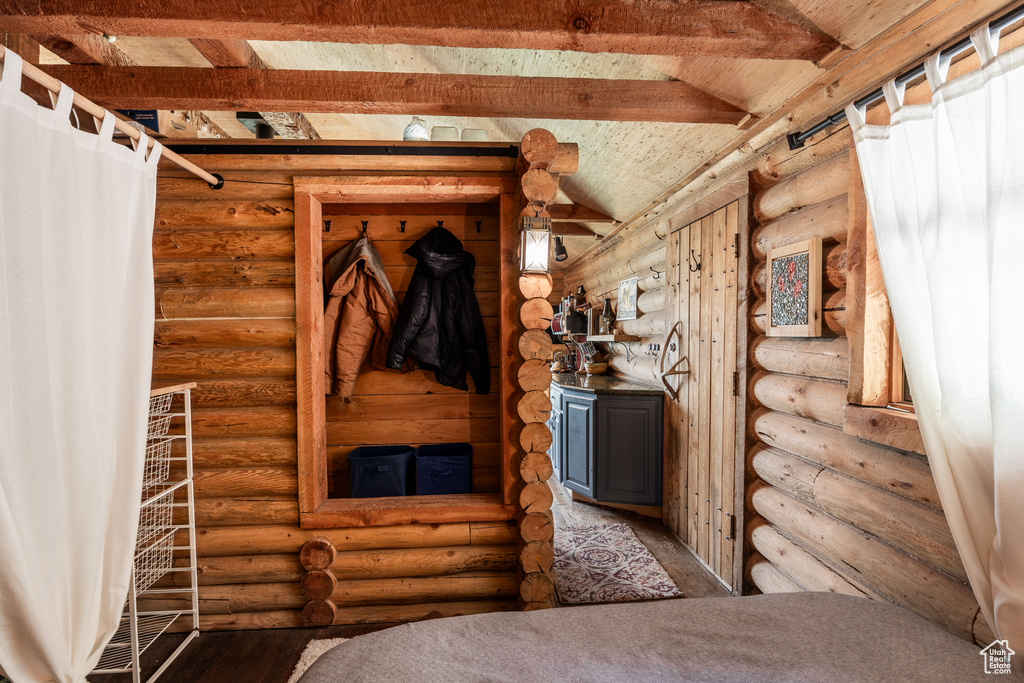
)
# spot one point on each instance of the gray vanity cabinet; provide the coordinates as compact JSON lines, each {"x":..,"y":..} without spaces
{"x":607,"y":445}
{"x":628,"y":455}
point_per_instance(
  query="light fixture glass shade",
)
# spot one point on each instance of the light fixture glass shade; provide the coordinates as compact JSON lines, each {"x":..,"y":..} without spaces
{"x":535,"y":246}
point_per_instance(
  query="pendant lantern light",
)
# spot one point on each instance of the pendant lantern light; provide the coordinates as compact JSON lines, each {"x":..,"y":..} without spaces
{"x":535,"y":241}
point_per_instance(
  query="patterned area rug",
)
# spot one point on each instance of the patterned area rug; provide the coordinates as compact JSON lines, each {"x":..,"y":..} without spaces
{"x":607,"y":563}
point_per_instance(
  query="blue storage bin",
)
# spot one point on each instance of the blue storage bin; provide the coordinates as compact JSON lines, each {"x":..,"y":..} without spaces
{"x":444,"y":468}
{"x":377,"y":471}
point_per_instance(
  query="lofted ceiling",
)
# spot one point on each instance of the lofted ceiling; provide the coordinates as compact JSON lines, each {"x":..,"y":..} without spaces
{"x":725,"y":59}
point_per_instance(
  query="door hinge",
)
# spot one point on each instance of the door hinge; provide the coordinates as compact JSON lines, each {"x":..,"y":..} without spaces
{"x":736,"y":245}
{"x":736,"y":384}
{"x":732,"y":528}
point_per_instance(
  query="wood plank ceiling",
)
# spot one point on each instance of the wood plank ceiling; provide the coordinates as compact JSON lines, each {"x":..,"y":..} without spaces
{"x":652,"y":90}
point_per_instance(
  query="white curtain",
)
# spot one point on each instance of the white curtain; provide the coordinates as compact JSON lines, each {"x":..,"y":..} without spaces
{"x":76,"y":340}
{"x":945,"y":185}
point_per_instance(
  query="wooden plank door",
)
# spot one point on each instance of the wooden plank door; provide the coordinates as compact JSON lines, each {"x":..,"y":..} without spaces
{"x":703,"y":419}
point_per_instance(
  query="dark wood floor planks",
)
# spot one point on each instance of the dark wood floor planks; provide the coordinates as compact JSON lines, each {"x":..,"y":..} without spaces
{"x":265,"y":656}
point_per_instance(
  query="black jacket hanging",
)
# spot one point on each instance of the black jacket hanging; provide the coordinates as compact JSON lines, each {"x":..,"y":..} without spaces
{"x":439,"y":323}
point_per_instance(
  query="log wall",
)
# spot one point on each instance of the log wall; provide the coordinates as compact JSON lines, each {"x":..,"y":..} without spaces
{"x":826,"y":511}
{"x":225,"y":305}
{"x":829,"y":511}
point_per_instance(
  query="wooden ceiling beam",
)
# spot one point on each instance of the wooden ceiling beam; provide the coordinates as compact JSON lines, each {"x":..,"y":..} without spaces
{"x":572,"y":229}
{"x":90,"y":49}
{"x":362,"y":92}
{"x":577,"y":213}
{"x":238,"y":54}
{"x":723,"y":28}
{"x":229,"y":53}
{"x":25,"y":47}
{"x":85,"y":48}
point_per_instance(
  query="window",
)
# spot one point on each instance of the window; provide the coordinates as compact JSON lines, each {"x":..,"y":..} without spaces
{"x":879,"y":406}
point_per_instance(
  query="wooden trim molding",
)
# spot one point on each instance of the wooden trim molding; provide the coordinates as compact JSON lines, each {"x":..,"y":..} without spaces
{"x":874,"y":349}
{"x":868,"y":318}
{"x":309,"y":354}
{"x":345,"y":512}
{"x":889,"y":426}
{"x":316,"y":510}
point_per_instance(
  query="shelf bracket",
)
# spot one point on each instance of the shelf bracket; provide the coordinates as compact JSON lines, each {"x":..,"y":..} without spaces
{"x":625,"y":347}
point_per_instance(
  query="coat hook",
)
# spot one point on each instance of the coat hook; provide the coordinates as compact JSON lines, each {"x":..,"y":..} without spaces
{"x":694,"y":258}
{"x":440,"y":224}
{"x":478,"y":224}
{"x":657,"y":273}
{"x":401,"y":226}
{"x":365,"y":224}
{"x":327,"y":226}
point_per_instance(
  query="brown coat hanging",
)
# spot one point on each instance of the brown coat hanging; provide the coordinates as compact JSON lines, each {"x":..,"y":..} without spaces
{"x":359,"y":315}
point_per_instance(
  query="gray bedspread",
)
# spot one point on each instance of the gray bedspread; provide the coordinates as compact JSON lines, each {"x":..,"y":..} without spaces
{"x":820,"y":637}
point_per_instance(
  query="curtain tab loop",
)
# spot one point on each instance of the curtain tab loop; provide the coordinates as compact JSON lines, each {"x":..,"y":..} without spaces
{"x":11,"y":83}
{"x":936,"y":68}
{"x":62,"y":102}
{"x":894,"y":94}
{"x":141,"y":146}
{"x":154,"y":154}
{"x":986,"y":43}
{"x":106,"y":126}
{"x":855,"y":115}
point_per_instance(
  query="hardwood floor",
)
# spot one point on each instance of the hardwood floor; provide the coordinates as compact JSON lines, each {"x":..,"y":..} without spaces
{"x":690,"y":575}
{"x":266,"y":656}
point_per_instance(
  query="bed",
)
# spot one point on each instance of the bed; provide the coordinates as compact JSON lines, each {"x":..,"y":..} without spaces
{"x":781,"y":637}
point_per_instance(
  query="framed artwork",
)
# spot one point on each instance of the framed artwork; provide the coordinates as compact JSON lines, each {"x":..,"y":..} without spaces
{"x":793,"y":277}
{"x":627,"y":300}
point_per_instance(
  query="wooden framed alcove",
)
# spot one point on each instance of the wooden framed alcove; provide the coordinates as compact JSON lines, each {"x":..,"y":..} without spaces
{"x":316,"y":509}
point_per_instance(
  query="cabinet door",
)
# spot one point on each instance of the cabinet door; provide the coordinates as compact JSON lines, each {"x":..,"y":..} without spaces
{"x":578,"y":454}
{"x":629,"y":452}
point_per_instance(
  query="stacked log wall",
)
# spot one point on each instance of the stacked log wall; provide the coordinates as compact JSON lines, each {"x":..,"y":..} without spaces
{"x":829,"y":511}
{"x":225,"y":305}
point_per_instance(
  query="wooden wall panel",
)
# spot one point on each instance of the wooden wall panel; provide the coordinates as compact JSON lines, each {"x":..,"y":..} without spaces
{"x":225,"y":309}
{"x":397,"y":410}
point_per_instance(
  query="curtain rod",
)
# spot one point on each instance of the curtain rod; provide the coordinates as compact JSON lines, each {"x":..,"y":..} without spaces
{"x":796,"y":140}
{"x":98,"y":112}
{"x":379,"y":149}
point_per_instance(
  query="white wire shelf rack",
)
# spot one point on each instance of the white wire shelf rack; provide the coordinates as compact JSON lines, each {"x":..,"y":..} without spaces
{"x":118,"y":655}
{"x":165,"y":489}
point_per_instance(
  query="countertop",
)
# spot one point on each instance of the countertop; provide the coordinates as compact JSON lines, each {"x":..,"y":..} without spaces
{"x":603,"y":384}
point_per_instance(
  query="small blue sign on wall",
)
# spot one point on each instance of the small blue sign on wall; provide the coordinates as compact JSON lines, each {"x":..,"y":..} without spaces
{"x":150,"y":118}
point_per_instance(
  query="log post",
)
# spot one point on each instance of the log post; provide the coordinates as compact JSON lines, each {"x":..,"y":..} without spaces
{"x":317,"y":553}
{"x":538,"y":184}
{"x":316,"y":556}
